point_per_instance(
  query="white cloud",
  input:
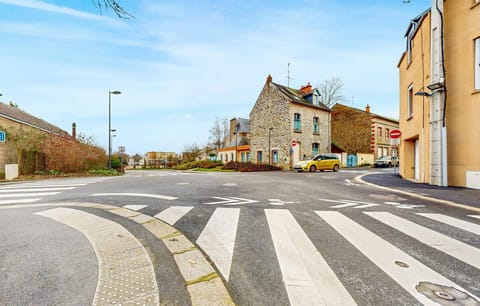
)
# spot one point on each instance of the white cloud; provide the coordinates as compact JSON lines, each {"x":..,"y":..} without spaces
{"x":44,"y":6}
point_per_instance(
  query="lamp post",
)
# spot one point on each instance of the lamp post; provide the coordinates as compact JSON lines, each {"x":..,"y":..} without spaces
{"x":110,"y":93}
{"x":269,"y":150}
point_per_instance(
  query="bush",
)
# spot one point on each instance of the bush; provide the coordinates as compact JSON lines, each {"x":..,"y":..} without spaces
{"x":204,"y":164}
{"x":103,"y":172}
{"x":250,"y":167}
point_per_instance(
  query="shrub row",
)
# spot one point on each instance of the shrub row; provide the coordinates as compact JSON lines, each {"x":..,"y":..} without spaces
{"x":250,"y":167}
{"x":205,"y":164}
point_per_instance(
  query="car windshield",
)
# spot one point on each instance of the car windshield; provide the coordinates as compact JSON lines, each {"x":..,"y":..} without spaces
{"x":385,"y":158}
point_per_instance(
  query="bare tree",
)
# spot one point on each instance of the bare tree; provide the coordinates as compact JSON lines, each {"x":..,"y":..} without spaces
{"x":191,"y":152}
{"x":218,"y":132}
{"x":104,"y":5}
{"x":331,"y":91}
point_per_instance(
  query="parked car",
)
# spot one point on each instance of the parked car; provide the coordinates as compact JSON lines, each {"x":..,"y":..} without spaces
{"x":326,"y":161}
{"x":386,"y":161}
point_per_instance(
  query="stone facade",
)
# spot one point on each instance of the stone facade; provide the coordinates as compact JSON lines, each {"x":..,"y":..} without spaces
{"x":272,"y":126}
{"x":360,"y":131}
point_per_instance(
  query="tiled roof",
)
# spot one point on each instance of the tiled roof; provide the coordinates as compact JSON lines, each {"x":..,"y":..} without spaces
{"x":369,"y":113}
{"x":243,"y":125}
{"x":296,"y":96}
{"x":18,"y":115}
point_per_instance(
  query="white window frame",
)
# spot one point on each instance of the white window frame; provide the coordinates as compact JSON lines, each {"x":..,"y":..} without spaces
{"x":477,"y":63}
{"x":410,"y":101}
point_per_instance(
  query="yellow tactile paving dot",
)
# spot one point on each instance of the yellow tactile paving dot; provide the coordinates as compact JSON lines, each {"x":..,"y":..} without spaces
{"x":126,"y":274}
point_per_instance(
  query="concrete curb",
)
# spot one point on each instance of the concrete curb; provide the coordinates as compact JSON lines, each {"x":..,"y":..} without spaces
{"x":202,"y":281}
{"x":440,"y":201}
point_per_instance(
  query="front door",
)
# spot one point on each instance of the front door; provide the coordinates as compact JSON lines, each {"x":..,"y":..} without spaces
{"x":417,"y":160}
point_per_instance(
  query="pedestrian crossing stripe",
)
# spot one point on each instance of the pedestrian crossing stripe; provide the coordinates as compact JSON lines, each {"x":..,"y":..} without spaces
{"x":441,"y":242}
{"x":464,"y":225}
{"x":385,"y":255}
{"x":306,"y":274}
{"x":174,"y":213}
{"x":218,"y":238}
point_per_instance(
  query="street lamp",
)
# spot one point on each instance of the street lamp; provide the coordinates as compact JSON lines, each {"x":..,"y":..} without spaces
{"x":110,"y":93}
{"x":269,"y":150}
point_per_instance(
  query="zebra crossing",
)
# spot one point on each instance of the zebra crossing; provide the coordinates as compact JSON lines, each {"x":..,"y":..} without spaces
{"x":29,"y":192}
{"x":308,"y":275}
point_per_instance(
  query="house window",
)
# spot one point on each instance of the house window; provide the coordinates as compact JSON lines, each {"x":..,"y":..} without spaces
{"x":243,"y":157}
{"x":387,"y":133}
{"x":226,"y":157}
{"x":259,"y":157}
{"x":275,"y":156}
{"x":297,"y":125}
{"x":248,"y":156}
{"x":315,"y":147}
{"x":410,"y":102}
{"x":315,"y":126}
{"x":477,"y":62}
{"x":379,"y":132}
{"x":232,"y":157}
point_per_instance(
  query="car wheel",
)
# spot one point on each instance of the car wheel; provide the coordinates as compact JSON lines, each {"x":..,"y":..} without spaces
{"x":335,"y":168}
{"x":390,"y":165}
{"x":313,"y":168}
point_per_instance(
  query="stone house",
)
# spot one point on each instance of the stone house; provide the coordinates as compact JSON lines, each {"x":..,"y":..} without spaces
{"x":439,"y":74}
{"x":361,"y":131}
{"x":237,"y":142}
{"x":287,"y":125}
{"x":15,"y":123}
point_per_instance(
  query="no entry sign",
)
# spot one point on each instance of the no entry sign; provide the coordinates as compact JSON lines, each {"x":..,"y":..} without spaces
{"x":395,"y":134}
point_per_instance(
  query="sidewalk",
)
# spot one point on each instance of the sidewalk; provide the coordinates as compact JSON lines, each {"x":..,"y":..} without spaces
{"x":457,"y":195}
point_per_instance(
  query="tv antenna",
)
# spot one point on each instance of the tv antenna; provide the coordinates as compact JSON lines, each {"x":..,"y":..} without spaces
{"x":288,"y":75}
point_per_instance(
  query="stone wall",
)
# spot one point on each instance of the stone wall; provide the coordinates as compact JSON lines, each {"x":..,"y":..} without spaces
{"x":273,"y":110}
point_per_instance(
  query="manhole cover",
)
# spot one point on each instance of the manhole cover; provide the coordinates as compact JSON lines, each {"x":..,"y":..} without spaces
{"x":445,"y":295}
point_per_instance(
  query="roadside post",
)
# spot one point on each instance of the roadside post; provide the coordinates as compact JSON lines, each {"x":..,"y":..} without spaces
{"x":394,"y":143}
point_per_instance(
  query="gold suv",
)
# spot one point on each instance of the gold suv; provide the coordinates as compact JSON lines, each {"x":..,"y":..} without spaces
{"x":326,"y":161}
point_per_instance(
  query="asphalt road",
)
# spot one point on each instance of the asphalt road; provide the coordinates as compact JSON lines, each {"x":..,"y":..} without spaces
{"x":276,"y":238}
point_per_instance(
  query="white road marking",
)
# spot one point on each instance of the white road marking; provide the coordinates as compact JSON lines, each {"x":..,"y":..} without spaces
{"x":475,"y":216}
{"x":145,"y":195}
{"x":305,"y":272}
{"x":172,"y":214}
{"x":344,"y":205}
{"x":450,"y":246}
{"x":32,"y":194}
{"x":366,"y":205}
{"x":369,"y":244}
{"x":19,"y":201}
{"x":231,"y":201}
{"x":218,"y":238}
{"x":37,"y":185}
{"x":230,"y":184}
{"x":135,"y":207}
{"x":120,"y":255}
{"x":35,"y":189}
{"x":458,"y":223}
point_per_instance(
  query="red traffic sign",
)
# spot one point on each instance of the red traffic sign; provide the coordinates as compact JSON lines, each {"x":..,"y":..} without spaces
{"x":395,"y":134}
{"x":294,"y":143}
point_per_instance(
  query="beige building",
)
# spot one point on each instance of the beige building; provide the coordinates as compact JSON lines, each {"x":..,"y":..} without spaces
{"x":159,"y":159}
{"x":283,"y":116}
{"x":440,"y":95}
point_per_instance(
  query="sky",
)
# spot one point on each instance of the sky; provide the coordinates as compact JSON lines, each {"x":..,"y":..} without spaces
{"x":180,"y":65}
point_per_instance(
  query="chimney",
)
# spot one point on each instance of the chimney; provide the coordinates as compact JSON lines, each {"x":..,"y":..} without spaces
{"x":306,"y":89}
{"x":367,"y":109}
{"x":74,"y":130}
{"x":269,"y":78}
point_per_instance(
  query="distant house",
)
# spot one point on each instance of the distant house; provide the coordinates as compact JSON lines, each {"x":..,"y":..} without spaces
{"x":237,"y":142}
{"x":288,"y":124}
{"x":15,"y":122}
{"x":361,"y":131}
{"x":159,"y":159}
